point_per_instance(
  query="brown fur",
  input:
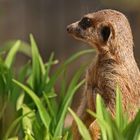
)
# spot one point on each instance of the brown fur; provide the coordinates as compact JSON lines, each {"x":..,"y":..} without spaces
{"x":115,"y":64}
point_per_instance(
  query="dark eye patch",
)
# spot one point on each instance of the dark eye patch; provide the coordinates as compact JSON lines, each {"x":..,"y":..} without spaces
{"x":105,"y":32}
{"x":85,"y":23}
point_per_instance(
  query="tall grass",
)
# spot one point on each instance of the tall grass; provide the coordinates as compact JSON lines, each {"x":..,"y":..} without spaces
{"x":29,"y":99}
{"x":31,"y":92}
{"x":117,"y":128}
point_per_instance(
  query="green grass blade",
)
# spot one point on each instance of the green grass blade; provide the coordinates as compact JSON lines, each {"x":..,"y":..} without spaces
{"x":102,"y":124}
{"x":81,"y":127}
{"x":46,"y":77}
{"x":29,"y":137}
{"x":13,"y":138}
{"x":49,"y":64}
{"x":100,"y":107}
{"x":108,"y":126}
{"x":24,"y":47}
{"x":101,"y":116}
{"x":64,"y":110}
{"x":12,"y":126}
{"x":131,"y":130}
{"x":63,"y":67}
{"x":42,"y":110}
{"x":49,"y":105}
{"x":137,"y":134}
{"x":38,"y":68}
{"x":73,"y":84}
{"x":66,"y":102}
{"x":23,"y":73}
{"x":11,"y":55}
{"x":64,"y":86}
{"x":104,"y":120}
{"x":59,"y":127}
{"x":20,"y":101}
{"x":27,"y":122}
{"x":119,"y":113}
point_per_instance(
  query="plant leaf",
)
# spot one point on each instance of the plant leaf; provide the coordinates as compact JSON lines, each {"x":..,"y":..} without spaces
{"x":13,"y":125}
{"x":11,"y":55}
{"x":24,"y":47}
{"x":63,"y":66}
{"x":42,"y":110}
{"x":131,"y":131}
{"x":38,"y":68}
{"x":66,"y":102}
{"x":81,"y":127}
{"x":120,"y":116}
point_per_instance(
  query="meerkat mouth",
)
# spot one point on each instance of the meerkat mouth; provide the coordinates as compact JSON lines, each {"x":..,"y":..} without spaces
{"x":75,"y":32}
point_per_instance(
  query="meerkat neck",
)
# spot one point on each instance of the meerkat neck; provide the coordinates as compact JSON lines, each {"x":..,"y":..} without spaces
{"x":120,"y":59}
{"x":122,"y":54}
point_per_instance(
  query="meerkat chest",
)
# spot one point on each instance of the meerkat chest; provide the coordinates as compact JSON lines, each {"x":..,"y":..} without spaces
{"x":106,"y":73}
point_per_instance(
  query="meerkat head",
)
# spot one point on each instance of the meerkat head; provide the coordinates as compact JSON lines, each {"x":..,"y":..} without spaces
{"x":105,"y":30}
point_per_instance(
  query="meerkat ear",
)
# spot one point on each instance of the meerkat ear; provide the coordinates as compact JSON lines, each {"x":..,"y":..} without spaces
{"x":106,"y":31}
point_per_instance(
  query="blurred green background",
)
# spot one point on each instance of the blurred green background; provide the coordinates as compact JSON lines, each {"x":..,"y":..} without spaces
{"x":47,"y":20}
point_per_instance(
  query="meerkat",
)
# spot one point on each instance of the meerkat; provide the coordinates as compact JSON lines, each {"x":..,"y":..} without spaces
{"x":109,"y":32}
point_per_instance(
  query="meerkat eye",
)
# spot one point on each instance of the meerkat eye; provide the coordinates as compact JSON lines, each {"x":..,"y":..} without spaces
{"x":85,"y":23}
{"x":105,"y":32}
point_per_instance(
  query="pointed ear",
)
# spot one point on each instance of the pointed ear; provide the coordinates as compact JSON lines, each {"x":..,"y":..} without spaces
{"x":106,"y":32}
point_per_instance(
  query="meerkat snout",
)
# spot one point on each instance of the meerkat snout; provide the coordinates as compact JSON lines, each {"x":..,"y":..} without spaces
{"x":69,"y":29}
{"x":76,"y":31}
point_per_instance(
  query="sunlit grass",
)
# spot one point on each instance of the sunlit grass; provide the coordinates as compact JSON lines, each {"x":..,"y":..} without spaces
{"x":117,"y":128}
{"x":39,"y":115}
{"x":32,"y":96}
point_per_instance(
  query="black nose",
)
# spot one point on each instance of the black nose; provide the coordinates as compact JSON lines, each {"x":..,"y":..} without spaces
{"x":69,"y":29}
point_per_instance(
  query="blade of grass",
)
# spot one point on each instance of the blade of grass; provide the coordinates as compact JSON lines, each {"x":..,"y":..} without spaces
{"x":13,"y":138}
{"x":137,"y":134}
{"x":13,"y":125}
{"x":42,"y":110}
{"x":38,"y":68}
{"x":58,"y":130}
{"x":66,"y":102}
{"x":63,"y":66}
{"x":24,"y":72}
{"x":11,"y":55}
{"x":109,"y":129}
{"x":28,"y":122}
{"x":119,"y":113}
{"x":100,"y":117}
{"x":24,"y":47}
{"x":20,"y":101}
{"x":46,"y":77}
{"x":81,"y":127}
{"x":49,"y":105}
{"x":131,"y":129}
